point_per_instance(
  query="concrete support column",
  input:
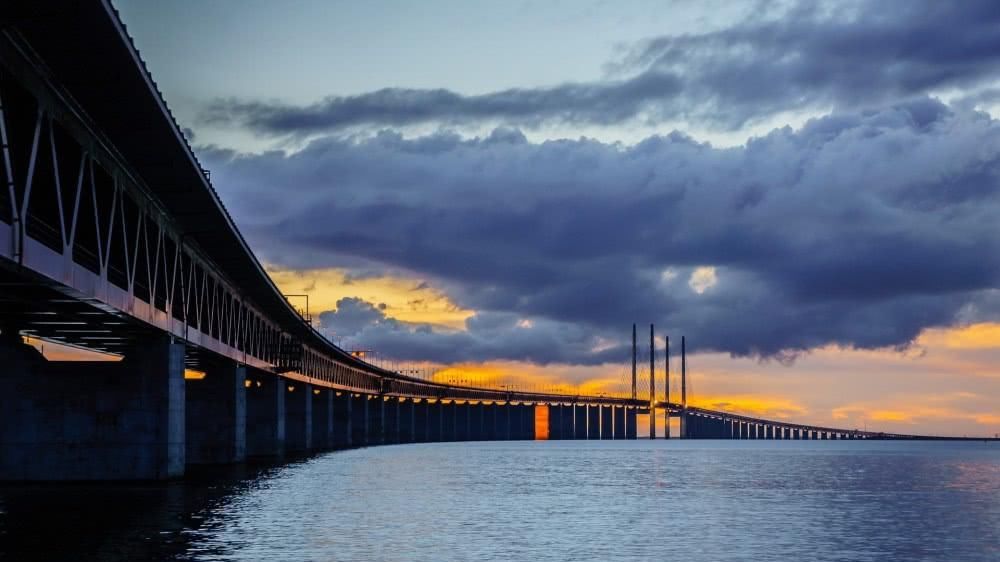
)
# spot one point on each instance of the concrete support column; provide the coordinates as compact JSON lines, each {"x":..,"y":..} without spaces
{"x":607,"y":423}
{"x":298,"y":417}
{"x":458,"y":430}
{"x":265,"y":415}
{"x":92,"y":420}
{"x":470,"y":421}
{"x":555,"y":422}
{"x":516,"y":422}
{"x":403,"y":414}
{"x":216,"y":416}
{"x":434,"y":421}
{"x":593,"y":422}
{"x":411,"y":417}
{"x":450,"y":414}
{"x":442,"y":414}
{"x":475,"y":422}
{"x":566,"y":416}
{"x":322,"y":419}
{"x":498,"y":421}
{"x":619,"y":415}
{"x":631,"y":430}
{"x":579,"y":421}
{"x":376,"y":420}
{"x":391,"y":414}
{"x":527,"y":414}
{"x":503,"y":421}
{"x":421,"y":421}
{"x":359,"y":420}
{"x":489,"y":422}
{"x":342,"y":419}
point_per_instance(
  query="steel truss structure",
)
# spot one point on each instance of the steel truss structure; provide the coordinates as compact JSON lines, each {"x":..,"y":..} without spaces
{"x":91,"y":256}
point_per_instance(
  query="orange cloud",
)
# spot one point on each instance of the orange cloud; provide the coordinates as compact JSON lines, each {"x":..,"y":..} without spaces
{"x":974,"y":336}
{"x":770,"y":407}
{"x":891,"y":415}
{"x":407,"y":300}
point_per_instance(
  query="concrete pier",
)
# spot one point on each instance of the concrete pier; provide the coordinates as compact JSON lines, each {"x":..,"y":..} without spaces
{"x":555,"y":422}
{"x":476,"y":422}
{"x":265,"y":415}
{"x":298,"y":417}
{"x":342,"y":419}
{"x":566,"y":417}
{"x":376,"y":420}
{"x":593,"y":422}
{"x":619,"y":421}
{"x":449,"y":413}
{"x":322,"y":419}
{"x":391,"y":406}
{"x":489,"y":421}
{"x":420,"y":415}
{"x":408,"y":413}
{"x":359,"y":420}
{"x":607,"y":427}
{"x":215,"y":415}
{"x":434,"y":424}
{"x":92,"y":420}
{"x":528,"y":422}
{"x":579,"y":421}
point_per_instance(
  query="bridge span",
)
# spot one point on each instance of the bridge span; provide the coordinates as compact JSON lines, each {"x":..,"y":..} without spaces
{"x":113,"y":239}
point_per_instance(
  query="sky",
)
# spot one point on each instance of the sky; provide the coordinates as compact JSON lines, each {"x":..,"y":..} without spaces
{"x":807,"y":191}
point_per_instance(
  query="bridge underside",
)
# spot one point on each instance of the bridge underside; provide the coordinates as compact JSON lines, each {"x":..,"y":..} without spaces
{"x":141,"y":418}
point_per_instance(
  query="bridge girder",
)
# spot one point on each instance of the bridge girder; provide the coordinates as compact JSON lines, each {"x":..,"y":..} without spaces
{"x":98,"y":245}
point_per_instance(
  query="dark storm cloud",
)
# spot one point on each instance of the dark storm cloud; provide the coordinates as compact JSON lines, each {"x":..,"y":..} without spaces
{"x":603,"y":103}
{"x":810,"y":56}
{"x":488,"y":335}
{"x":859,"y":229}
{"x":352,"y":316}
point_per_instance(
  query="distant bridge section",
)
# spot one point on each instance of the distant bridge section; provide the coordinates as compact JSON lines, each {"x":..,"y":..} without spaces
{"x":701,"y":423}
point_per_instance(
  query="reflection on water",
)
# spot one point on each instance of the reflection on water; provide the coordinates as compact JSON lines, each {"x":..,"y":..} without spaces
{"x":764,"y":500}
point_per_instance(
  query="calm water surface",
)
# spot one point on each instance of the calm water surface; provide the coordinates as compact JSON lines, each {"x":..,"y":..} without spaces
{"x":568,"y":500}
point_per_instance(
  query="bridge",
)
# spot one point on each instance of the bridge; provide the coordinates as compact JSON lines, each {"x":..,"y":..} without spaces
{"x":113,"y":239}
